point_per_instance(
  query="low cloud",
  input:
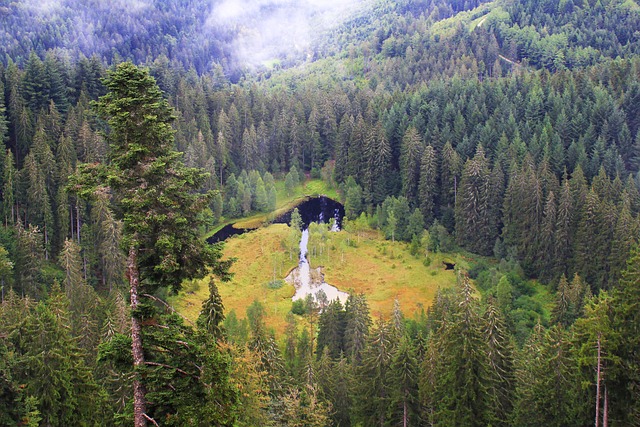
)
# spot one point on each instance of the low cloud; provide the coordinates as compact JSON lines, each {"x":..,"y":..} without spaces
{"x":269,"y":29}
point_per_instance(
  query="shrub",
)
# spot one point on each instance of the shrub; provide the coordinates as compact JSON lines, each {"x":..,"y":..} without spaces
{"x":275,"y":284}
{"x":298,"y":307}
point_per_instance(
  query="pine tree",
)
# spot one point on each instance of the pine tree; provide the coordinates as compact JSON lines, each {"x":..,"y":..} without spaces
{"x":562,"y":238}
{"x":473,"y":224}
{"x":450,"y":170}
{"x":462,"y":370}
{"x":331,"y":328}
{"x":496,"y":199}
{"x":50,"y":366}
{"x":404,"y":404}
{"x":547,"y":385}
{"x":374,"y":388}
{"x":523,"y":212}
{"x":8,"y":190}
{"x":547,"y":233}
{"x":501,"y":365}
{"x":342,"y":147}
{"x":596,"y":343}
{"x":410,"y":159}
{"x":248,"y":377}
{"x":357,"y":328}
{"x":624,"y":237}
{"x":34,"y":86}
{"x":83,"y":301}
{"x":592,"y":243}
{"x":4,"y":122}
{"x":29,"y":258}
{"x":11,"y":408}
{"x":625,"y":397}
{"x":427,"y":187}
{"x":561,"y":313}
{"x":291,"y":341}
{"x":212,"y":313}
{"x":154,"y":191}
{"x":377,"y":154}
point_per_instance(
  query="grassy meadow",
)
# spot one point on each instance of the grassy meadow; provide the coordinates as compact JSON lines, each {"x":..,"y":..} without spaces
{"x":382,"y":270}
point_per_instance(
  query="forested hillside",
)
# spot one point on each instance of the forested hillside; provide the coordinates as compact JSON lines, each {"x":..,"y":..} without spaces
{"x":506,"y":129}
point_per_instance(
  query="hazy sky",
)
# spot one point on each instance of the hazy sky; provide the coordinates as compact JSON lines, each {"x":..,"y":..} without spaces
{"x":267,"y":28}
{"x":259,"y":30}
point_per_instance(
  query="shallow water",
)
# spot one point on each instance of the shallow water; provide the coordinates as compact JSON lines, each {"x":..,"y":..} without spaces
{"x":301,"y":277}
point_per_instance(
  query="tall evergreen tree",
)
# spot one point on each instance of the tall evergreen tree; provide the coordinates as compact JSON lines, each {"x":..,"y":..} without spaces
{"x":51,"y":366}
{"x":410,"y":159}
{"x":374,"y":388}
{"x":462,"y":370}
{"x":473,"y":223}
{"x":625,"y":396}
{"x":404,"y":407}
{"x":546,"y":381}
{"x":331,"y":330}
{"x":377,"y":153}
{"x":357,"y":328}
{"x":450,"y":170}
{"x":501,"y":381}
{"x":562,"y":237}
{"x":155,"y":193}
{"x":427,"y":186}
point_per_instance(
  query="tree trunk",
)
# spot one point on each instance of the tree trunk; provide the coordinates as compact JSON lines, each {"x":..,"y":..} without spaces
{"x":139,"y":402}
{"x":405,"y":417}
{"x":605,"y":416}
{"x":598,"y":386}
{"x":78,"y":223}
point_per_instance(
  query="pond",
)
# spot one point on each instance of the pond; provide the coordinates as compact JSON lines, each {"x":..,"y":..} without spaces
{"x":314,"y":209}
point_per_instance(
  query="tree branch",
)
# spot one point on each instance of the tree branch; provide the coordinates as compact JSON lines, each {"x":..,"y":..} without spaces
{"x":151,"y":419}
{"x":171,"y":309}
{"x":162,"y":365}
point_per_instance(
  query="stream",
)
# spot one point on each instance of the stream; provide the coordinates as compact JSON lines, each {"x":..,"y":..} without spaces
{"x":305,"y":279}
{"x":302,"y":277}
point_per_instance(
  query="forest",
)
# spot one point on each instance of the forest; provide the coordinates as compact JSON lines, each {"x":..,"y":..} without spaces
{"x":507,"y":132}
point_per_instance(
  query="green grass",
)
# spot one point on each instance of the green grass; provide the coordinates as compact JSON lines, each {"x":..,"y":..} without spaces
{"x":630,"y":5}
{"x":253,"y":270}
{"x":470,"y":19}
{"x":287,"y":201}
{"x":382,"y":270}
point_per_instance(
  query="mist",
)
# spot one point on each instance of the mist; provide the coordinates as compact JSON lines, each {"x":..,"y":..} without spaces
{"x":265,"y":30}
{"x":237,"y":34}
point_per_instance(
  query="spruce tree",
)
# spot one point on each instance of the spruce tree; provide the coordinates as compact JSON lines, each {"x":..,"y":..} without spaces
{"x":404,"y":408}
{"x":357,"y":327}
{"x":501,"y":381}
{"x":155,"y":195}
{"x":546,"y":247}
{"x":562,"y":237}
{"x":473,"y":223}
{"x":373,"y":375}
{"x":51,"y":366}
{"x":410,"y":159}
{"x":450,"y":170}
{"x":427,"y":186}
{"x":547,"y":381}
{"x":212,"y":313}
{"x":331,"y":330}
{"x":460,"y":390}
{"x":626,"y":322}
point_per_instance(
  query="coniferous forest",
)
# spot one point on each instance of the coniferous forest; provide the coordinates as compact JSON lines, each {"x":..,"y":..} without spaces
{"x":507,"y":132}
